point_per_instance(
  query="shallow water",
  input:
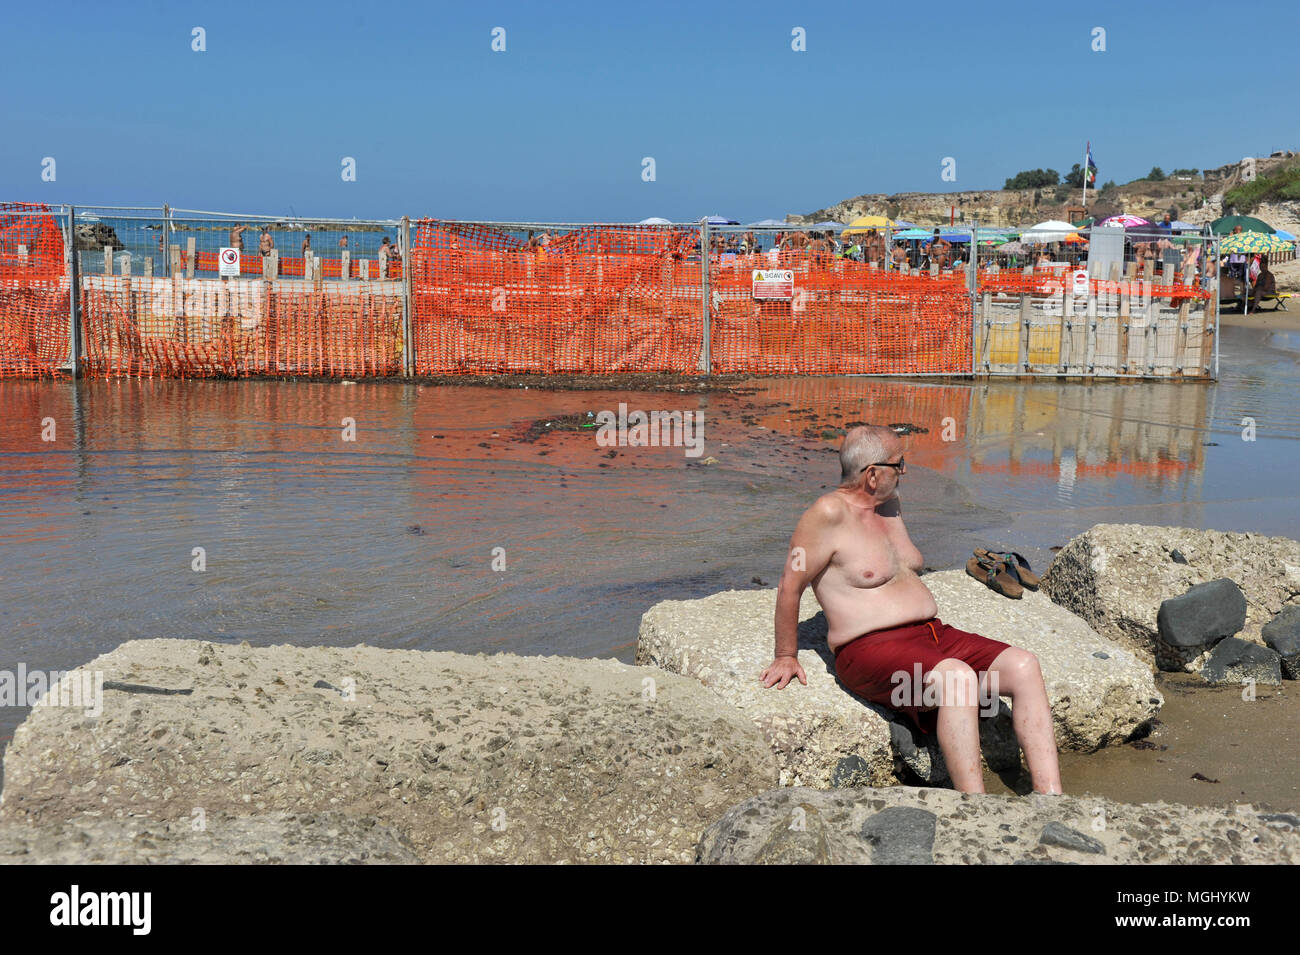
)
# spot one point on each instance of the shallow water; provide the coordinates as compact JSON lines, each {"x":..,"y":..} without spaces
{"x":391,"y":539}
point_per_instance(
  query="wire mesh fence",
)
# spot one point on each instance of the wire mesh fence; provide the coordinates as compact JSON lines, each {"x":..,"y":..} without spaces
{"x":169,"y":292}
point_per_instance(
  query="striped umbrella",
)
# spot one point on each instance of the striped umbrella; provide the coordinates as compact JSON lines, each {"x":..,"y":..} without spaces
{"x":1252,"y":242}
{"x":1126,"y":220}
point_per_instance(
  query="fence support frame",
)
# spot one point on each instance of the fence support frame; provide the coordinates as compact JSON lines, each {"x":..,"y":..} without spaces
{"x":706,"y":357}
{"x":408,"y":338}
{"x":74,"y":363}
{"x":974,"y":273}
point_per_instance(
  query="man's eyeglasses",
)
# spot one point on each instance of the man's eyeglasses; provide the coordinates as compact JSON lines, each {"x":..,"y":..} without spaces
{"x":902,"y":462}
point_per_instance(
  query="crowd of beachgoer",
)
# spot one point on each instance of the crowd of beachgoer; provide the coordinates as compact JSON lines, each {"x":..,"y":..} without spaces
{"x":388,"y":250}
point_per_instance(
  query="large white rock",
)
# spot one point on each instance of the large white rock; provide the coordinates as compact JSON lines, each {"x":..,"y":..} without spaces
{"x":1115,"y":576}
{"x":1100,"y":694}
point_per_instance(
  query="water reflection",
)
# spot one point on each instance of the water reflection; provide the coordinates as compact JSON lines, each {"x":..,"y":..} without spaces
{"x":390,"y":539}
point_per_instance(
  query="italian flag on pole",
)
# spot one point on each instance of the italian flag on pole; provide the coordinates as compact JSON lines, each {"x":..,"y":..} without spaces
{"x":1090,"y":168}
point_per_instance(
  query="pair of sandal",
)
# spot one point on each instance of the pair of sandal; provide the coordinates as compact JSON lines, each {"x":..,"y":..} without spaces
{"x":1006,"y":573}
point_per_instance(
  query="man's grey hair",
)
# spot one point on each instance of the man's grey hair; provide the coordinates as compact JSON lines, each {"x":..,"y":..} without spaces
{"x":866,"y":444}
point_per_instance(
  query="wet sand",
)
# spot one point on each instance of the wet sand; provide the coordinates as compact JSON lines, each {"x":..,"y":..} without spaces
{"x":1245,"y":750}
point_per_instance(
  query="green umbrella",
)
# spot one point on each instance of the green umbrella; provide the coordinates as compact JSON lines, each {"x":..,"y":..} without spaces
{"x":1252,"y":242}
{"x":1085,"y":223}
{"x":1225,"y":224}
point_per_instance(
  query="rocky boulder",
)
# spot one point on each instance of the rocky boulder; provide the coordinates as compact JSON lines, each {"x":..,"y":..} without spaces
{"x":93,"y":236}
{"x":903,"y":825}
{"x":823,"y":735}
{"x":463,"y":758}
{"x":223,"y":839}
{"x":1282,"y":636}
{"x":1116,"y":576}
{"x":1189,"y":625}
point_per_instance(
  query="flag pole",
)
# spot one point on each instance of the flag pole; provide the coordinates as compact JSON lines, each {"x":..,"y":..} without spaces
{"x":1086,"y":150}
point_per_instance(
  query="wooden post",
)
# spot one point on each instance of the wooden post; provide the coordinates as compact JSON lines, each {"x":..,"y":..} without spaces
{"x":273,"y":260}
{"x":1022,"y":330}
{"x":126,"y":265}
{"x":1180,"y":349}
{"x":189,"y":257}
{"x":1066,"y":335}
{"x":174,"y":257}
{"x":1150,"y":307}
{"x":108,"y":260}
{"x":148,"y":266}
{"x":345,"y":265}
{"x":363,"y":269}
{"x":1126,"y":316}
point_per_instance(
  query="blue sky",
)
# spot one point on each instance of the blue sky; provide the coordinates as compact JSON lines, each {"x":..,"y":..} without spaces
{"x":555,"y":128}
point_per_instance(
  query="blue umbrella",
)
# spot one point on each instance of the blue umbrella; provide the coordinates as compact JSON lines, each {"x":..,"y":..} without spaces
{"x":770,"y":222}
{"x":837,"y":226}
{"x":1284,"y":235}
{"x":720,"y":220}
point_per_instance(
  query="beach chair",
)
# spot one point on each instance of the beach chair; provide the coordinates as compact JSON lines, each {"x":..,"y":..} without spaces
{"x":1278,"y":299}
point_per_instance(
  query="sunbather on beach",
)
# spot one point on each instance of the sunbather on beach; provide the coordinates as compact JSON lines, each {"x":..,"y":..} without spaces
{"x":853,"y":549}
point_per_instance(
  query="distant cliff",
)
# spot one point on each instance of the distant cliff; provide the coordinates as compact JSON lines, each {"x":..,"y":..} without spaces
{"x":1196,"y":198}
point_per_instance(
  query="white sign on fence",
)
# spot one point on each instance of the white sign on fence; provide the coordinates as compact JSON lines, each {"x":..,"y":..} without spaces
{"x":1081,"y":282}
{"x":775,"y":284}
{"x":228,"y":263}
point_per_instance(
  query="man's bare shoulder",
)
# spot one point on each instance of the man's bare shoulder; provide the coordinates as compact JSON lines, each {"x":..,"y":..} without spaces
{"x":830,"y":508}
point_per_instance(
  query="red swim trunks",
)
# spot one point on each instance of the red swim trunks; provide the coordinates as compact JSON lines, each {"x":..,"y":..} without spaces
{"x":868,"y":664}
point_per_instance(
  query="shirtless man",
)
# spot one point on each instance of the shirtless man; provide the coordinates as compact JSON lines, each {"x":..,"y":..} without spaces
{"x":266,"y":244}
{"x":237,"y":237}
{"x":852,"y":547}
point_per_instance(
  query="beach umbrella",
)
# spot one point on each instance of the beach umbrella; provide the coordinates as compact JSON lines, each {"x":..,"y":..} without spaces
{"x":720,"y":220}
{"x":1126,"y":220}
{"x":1085,"y":223}
{"x":834,"y":226}
{"x":1053,"y":230}
{"x":1284,"y":235}
{"x":1225,"y":224}
{"x":1251,"y":243}
{"x":778,"y":222}
{"x":1013,"y":248}
{"x":1178,"y":225}
{"x":909,"y":234}
{"x":864,"y":223}
{"x":654,"y":220}
{"x":1074,"y":239}
{"x":904,"y":224}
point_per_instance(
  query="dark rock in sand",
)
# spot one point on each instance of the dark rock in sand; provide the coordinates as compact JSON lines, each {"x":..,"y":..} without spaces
{"x":1205,"y":614}
{"x":1059,"y":834}
{"x":900,"y":835}
{"x":1234,"y":661}
{"x":1282,"y":636}
{"x":1190,"y":624}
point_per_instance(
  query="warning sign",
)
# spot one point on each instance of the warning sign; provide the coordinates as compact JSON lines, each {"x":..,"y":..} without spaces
{"x":228,"y":263}
{"x":1081,"y":282}
{"x":774,"y":284}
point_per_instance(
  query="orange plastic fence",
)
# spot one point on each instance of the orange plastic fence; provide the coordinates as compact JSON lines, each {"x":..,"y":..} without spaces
{"x":195,"y":328}
{"x":844,"y":318}
{"x":482,"y":302}
{"x":22,"y":224}
{"x":252,"y":263}
{"x":33,"y":292}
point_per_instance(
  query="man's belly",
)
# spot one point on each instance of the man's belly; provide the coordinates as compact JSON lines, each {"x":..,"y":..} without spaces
{"x":853,"y":611}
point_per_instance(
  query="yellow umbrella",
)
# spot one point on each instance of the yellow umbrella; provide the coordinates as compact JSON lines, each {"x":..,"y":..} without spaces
{"x":863,"y":223}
